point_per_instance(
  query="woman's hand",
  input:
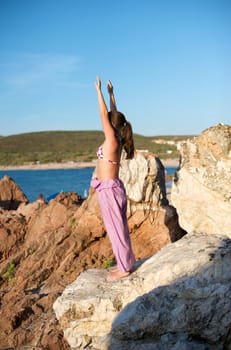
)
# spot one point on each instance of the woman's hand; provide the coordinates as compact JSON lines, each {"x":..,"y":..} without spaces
{"x":98,"y":84}
{"x":109,"y":87}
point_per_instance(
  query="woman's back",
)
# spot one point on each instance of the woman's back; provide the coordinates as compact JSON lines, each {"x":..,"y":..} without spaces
{"x":108,"y":164}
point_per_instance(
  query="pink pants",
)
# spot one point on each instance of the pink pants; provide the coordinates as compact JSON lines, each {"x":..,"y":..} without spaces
{"x":113,"y":204}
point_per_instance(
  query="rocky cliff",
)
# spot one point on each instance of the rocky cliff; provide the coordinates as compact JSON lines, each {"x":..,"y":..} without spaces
{"x":45,"y":246}
{"x":179,"y":298}
{"x":201,"y":190}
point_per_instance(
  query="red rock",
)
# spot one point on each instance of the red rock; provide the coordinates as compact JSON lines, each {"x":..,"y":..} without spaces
{"x":11,"y":195}
{"x":49,"y":245}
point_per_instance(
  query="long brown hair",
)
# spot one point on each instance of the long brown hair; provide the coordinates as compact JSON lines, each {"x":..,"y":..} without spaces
{"x":124,"y":129}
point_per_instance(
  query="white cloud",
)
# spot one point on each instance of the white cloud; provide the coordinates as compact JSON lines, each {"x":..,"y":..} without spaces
{"x":28,"y":70}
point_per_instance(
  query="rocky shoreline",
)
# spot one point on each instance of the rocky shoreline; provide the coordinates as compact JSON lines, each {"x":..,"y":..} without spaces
{"x":44,"y":246}
{"x":54,"y":258}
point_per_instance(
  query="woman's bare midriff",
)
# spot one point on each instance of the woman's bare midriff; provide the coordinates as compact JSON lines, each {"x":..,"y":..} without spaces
{"x":105,"y":170}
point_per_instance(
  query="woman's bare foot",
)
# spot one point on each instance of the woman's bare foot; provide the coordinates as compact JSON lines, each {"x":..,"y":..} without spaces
{"x":117,"y":274}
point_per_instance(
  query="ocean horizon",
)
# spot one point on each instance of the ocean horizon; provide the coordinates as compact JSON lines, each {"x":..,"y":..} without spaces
{"x":50,"y":182}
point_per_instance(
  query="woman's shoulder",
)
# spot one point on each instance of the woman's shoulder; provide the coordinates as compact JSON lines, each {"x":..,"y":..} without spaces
{"x":111,"y":143}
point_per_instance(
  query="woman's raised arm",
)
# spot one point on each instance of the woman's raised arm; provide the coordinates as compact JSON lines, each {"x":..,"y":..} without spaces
{"x":107,"y":127}
{"x":111,"y":95}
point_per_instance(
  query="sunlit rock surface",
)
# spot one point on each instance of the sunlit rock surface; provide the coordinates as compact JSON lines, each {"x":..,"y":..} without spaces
{"x":201,"y":191}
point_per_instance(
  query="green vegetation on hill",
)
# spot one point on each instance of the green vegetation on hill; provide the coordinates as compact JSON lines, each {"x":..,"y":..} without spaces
{"x":77,"y":146}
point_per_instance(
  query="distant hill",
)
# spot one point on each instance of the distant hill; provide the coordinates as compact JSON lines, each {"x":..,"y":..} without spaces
{"x":62,"y":146}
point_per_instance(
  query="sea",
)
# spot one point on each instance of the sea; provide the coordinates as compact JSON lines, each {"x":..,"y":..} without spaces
{"x":51,"y":182}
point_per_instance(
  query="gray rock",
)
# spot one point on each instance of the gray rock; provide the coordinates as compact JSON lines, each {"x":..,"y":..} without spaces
{"x":144,"y":180}
{"x":180,"y":298}
{"x":201,"y":190}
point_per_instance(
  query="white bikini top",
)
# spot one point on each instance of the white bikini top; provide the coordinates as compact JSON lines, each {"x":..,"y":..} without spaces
{"x":100,"y":155}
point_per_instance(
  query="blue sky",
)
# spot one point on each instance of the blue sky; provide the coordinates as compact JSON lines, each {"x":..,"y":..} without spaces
{"x":169,"y":62}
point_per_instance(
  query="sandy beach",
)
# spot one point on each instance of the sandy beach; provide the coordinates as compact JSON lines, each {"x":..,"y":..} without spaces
{"x":46,"y":166}
{"x":73,"y":165}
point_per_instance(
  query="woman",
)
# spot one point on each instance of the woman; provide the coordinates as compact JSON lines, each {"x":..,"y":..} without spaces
{"x":111,"y":192}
